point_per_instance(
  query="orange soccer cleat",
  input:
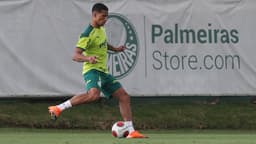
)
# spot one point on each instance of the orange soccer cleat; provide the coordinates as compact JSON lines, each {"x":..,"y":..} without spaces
{"x":136,"y":134}
{"x":54,"y":112}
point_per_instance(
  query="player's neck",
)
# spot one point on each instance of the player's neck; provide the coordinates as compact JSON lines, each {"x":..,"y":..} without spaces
{"x":94,"y":24}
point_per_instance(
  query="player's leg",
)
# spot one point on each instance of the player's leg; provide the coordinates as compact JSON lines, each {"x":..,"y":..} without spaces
{"x":111,"y":87}
{"x":125,"y":110}
{"x":92,"y":94}
{"x":124,"y":103}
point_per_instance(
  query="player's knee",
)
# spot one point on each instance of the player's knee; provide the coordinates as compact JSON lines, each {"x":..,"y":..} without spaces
{"x":94,"y":94}
{"x":124,"y":97}
{"x":96,"y":97}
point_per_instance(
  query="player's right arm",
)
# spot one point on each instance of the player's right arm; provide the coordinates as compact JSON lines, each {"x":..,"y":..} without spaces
{"x":79,"y":57}
{"x":82,"y":44}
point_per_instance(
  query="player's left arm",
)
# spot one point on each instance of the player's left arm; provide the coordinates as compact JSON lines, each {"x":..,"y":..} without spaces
{"x":116,"y":49}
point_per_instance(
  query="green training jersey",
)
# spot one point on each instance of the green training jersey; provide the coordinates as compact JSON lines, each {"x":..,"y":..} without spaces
{"x":93,"y":42}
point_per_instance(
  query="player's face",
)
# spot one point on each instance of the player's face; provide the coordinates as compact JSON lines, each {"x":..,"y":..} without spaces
{"x":101,"y":17}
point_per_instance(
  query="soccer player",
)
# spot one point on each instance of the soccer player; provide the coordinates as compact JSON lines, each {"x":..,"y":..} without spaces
{"x":91,"y":49}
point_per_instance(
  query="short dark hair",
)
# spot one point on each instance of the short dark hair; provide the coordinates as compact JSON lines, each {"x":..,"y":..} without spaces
{"x":99,"y":7}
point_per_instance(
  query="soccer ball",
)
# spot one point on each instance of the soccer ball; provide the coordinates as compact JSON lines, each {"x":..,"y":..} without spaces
{"x":120,"y":130}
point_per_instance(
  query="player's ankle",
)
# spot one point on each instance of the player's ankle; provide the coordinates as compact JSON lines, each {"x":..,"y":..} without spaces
{"x":67,"y":104}
{"x":129,"y":124}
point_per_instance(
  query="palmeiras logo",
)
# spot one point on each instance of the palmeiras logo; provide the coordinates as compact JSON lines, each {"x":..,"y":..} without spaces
{"x":120,"y":31}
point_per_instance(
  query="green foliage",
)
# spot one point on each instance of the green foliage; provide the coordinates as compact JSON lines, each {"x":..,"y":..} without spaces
{"x":150,"y":113}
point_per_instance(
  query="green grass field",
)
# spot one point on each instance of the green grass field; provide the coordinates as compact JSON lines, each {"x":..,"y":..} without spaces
{"x":53,"y":136}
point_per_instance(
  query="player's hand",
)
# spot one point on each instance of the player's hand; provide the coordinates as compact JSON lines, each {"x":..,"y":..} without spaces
{"x":92,"y":59}
{"x":120,"y":48}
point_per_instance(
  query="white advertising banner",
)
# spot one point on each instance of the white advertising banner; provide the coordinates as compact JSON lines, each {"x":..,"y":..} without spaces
{"x":174,"y":47}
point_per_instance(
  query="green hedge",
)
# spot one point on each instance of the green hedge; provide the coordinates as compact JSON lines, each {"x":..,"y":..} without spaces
{"x":148,"y":113}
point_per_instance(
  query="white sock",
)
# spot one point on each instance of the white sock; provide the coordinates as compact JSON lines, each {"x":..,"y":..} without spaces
{"x":129,"y":125}
{"x":65,"y":105}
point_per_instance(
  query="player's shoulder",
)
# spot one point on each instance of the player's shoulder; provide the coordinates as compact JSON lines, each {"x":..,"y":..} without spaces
{"x":87,"y":31}
{"x":102,"y":28}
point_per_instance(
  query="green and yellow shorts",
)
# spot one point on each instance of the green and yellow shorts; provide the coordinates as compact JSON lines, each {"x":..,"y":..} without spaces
{"x":105,"y":82}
